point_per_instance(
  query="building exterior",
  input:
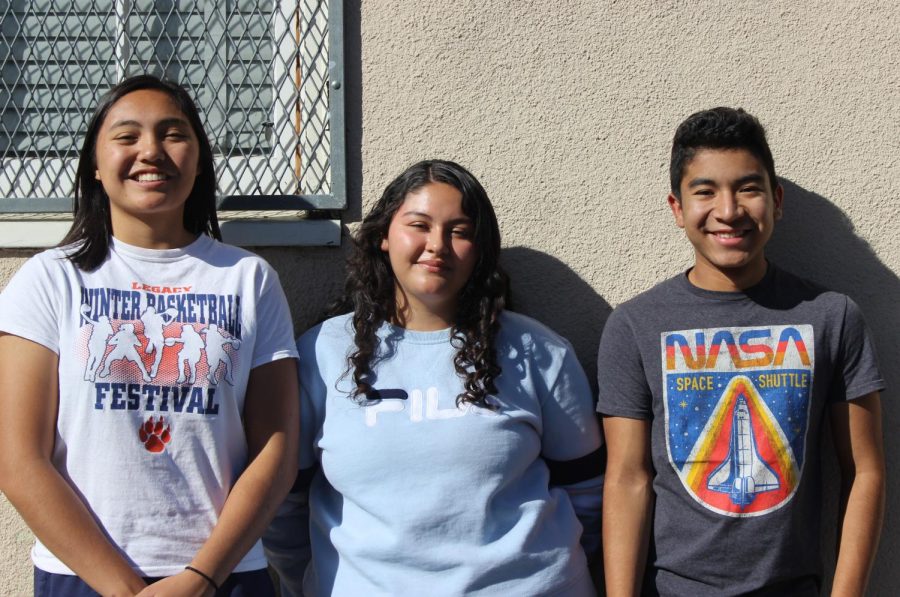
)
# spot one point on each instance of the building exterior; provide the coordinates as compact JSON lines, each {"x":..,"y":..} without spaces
{"x":566,"y":115}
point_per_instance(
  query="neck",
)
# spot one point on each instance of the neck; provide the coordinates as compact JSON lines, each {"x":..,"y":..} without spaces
{"x":152,"y":234}
{"x":725,"y":280}
{"x":418,"y":317}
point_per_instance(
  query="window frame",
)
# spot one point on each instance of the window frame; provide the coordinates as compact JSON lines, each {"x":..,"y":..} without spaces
{"x":247,"y":220}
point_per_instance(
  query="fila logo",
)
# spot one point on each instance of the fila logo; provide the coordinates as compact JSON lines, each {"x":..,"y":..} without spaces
{"x":422,"y":406}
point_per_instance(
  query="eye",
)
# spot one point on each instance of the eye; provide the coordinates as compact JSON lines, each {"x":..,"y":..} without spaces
{"x":125,"y":138}
{"x":418,"y":225}
{"x":176,"y":135}
{"x":461,"y":232}
{"x":750,"y":189}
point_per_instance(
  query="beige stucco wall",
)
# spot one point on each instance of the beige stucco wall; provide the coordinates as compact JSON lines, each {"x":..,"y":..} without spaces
{"x":565,"y":111}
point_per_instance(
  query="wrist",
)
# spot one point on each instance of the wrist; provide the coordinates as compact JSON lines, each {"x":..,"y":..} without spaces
{"x":123,"y":587}
{"x":207,"y":577}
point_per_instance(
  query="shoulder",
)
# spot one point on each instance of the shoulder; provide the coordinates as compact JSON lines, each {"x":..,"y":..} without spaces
{"x":244,"y":264}
{"x":222,"y":254}
{"x":648,"y":304}
{"x":519,"y":329}
{"x":791,"y":290}
{"x":522,"y":338}
{"x":331,"y":334}
{"x":45,"y":266}
{"x":654,"y":297}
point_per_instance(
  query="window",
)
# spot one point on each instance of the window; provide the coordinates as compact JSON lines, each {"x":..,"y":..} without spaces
{"x":266,"y":74}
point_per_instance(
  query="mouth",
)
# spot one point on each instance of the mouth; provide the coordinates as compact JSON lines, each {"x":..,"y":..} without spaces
{"x":729,"y":234}
{"x":150,"y":176}
{"x":434,"y":265}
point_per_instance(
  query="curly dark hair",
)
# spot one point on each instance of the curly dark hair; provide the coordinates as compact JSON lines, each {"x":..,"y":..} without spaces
{"x":719,"y":128}
{"x":369,"y":290}
{"x":92,"y":227}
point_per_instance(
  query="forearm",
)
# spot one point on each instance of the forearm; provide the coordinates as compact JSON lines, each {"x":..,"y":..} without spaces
{"x":627,"y":511}
{"x":860,"y":530}
{"x":587,"y":501}
{"x":250,"y":506}
{"x":58,"y":517}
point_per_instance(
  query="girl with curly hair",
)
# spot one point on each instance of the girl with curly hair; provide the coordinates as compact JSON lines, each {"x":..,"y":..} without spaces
{"x":456,"y":443}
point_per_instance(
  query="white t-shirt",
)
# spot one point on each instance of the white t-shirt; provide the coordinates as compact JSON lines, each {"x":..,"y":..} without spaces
{"x":155,"y":349}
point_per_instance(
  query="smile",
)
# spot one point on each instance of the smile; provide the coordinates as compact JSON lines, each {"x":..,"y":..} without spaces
{"x":733,"y":234}
{"x":151,"y":177}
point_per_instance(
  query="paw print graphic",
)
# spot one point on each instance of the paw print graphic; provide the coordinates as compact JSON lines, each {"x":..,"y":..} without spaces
{"x":154,"y":436}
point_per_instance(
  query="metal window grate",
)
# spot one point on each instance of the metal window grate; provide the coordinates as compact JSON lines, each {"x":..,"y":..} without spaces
{"x":266,"y":74}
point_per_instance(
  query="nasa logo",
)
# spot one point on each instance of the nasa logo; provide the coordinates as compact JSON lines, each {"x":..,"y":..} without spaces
{"x":736,"y":426}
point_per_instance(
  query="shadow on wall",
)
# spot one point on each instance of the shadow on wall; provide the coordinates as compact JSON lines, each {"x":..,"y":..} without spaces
{"x":545,"y":288}
{"x":816,"y":240}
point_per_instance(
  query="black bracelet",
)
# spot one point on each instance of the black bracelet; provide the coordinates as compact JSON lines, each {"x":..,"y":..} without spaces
{"x":204,"y":575}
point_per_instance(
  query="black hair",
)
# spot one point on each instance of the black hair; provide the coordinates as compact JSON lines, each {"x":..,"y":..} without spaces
{"x":92,"y":225}
{"x":369,"y":290}
{"x":719,"y":128}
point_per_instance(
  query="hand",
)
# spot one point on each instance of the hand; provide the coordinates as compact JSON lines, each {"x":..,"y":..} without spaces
{"x":183,"y":584}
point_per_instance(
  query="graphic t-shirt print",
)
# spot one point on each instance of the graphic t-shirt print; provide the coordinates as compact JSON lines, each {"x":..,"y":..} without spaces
{"x":737,"y":406}
{"x":162,"y":350}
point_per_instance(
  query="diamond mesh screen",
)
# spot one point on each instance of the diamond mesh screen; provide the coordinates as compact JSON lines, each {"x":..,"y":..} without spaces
{"x":258,"y":69}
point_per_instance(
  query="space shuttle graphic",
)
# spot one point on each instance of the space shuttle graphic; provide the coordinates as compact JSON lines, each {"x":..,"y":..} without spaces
{"x":743,"y":474}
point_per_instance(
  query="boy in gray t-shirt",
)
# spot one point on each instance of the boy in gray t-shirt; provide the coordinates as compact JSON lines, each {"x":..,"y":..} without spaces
{"x":714,"y":386}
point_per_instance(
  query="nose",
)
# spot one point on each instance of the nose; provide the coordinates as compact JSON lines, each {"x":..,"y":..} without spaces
{"x":727,"y":207}
{"x":437,"y":243}
{"x":150,"y":148}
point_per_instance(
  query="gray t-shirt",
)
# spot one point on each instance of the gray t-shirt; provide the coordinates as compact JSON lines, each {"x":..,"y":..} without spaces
{"x":736,"y":385}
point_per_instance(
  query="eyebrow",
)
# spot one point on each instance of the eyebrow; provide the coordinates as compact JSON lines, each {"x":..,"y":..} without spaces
{"x":164,"y":122}
{"x":755,"y":177}
{"x":422,"y":214}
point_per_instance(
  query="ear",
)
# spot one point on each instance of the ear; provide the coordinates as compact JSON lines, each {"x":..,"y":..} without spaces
{"x":97,"y":174}
{"x":779,"y":202}
{"x":675,"y":206}
{"x":384,"y":244}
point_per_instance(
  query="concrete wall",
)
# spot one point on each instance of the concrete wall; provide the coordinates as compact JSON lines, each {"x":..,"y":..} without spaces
{"x":565,"y":111}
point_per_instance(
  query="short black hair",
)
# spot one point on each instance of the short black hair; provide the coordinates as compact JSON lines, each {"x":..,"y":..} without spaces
{"x":719,"y":128}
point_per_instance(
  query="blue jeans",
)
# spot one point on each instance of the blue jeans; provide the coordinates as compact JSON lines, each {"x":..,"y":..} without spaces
{"x":255,"y":583}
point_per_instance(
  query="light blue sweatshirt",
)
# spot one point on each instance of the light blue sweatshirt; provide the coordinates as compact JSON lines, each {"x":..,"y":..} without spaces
{"x":416,"y":495}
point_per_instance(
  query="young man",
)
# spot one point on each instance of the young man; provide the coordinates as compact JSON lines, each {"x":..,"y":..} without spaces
{"x":714,"y":386}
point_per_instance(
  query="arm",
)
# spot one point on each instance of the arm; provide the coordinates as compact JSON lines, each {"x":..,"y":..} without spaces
{"x":287,"y":542}
{"x":271,"y":422}
{"x":856,"y":427}
{"x":627,"y":504}
{"x":29,"y":398}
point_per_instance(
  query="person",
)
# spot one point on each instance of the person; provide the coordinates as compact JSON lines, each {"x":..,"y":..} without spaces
{"x":126,"y":474}
{"x":714,"y":387}
{"x":457,"y":440}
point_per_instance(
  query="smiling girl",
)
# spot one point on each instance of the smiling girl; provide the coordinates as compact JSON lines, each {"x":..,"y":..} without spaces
{"x":134,"y":479}
{"x":457,"y":440}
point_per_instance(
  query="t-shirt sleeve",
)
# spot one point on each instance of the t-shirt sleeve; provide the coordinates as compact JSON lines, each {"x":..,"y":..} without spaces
{"x":570,"y":428}
{"x":29,"y":305}
{"x":275,"y":329}
{"x":312,"y":397}
{"x":856,"y":371}
{"x":622,"y":384}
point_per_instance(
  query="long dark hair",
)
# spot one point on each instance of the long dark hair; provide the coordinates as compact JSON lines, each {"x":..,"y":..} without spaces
{"x":370,"y":284}
{"x":92,"y":226}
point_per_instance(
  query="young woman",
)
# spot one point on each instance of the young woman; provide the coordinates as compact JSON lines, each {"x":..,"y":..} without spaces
{"x":447,"y":429}
{"x":147,"y":373}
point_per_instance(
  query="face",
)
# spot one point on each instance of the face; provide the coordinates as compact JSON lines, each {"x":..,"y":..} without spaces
{"x":147,"y":160}
{"x":431,"y":247}
{"x":728,"y":210}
